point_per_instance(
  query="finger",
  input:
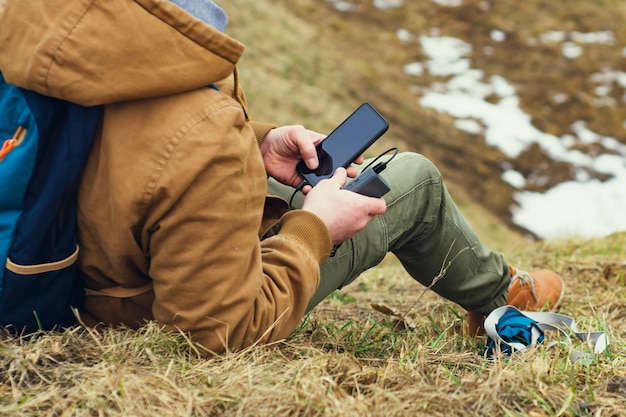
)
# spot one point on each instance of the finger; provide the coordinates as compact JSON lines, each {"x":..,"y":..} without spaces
{"x":378,"y":206}
{"x":316,"y":137}
{"x":340,"y":176}
{"x":352,"y":172}
{"x":306,"y":146}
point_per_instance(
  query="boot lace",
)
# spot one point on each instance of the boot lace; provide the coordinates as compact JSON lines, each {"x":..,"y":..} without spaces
{"x":525,"y":280}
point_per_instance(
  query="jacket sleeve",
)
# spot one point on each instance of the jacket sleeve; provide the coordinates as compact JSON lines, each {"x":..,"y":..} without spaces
{"x":213,"y":276}
{"x":260,"y":129}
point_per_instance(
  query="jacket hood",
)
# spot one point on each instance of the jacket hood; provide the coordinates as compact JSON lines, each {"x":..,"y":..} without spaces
{"x":104,"y":51}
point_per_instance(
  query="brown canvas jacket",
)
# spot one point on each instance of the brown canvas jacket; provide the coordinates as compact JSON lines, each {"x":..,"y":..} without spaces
{"x":172,"y":207}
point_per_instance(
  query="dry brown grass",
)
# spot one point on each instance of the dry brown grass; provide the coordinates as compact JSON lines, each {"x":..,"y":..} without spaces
{"x":346,"y":359}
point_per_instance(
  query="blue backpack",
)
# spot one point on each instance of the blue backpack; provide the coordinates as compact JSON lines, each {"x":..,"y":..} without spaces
{"x":45,"y":144}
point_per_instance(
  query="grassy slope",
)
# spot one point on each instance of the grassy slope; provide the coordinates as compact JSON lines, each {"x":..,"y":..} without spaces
{"x":309,"y":73}
{"x":307,"y":63}
{"x":346,"y":359}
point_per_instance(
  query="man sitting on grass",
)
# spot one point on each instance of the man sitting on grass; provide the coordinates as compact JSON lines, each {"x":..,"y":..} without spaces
{"x":176,"y":224}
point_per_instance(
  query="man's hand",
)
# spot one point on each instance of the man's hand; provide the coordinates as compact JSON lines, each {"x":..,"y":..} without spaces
{"x":282,"y":149}
{"x":344,"y":212}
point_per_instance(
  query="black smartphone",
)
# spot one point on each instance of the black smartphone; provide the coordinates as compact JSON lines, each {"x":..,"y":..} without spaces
{"x":344,"y":144}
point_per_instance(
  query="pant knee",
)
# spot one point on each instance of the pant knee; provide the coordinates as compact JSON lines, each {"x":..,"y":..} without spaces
{"x":409,"y":171}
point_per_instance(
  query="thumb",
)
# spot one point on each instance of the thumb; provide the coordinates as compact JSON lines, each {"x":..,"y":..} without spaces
{"x":340,"y":176}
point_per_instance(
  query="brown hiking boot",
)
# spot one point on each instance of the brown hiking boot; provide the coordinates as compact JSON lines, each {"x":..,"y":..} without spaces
{"x":475,"y":323}
{"x":540,"y":290}
{"x":537,"y":291}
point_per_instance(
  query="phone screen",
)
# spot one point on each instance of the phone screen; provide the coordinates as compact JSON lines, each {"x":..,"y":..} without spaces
{"x":344,"y":144}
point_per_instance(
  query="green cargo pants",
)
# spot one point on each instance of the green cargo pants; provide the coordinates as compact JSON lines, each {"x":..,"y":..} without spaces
{"x":425,"y":230}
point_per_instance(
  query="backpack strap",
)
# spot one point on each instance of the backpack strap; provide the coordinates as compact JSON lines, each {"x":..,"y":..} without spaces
{"x":598,"y":339}
{"x":119,"y":291}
